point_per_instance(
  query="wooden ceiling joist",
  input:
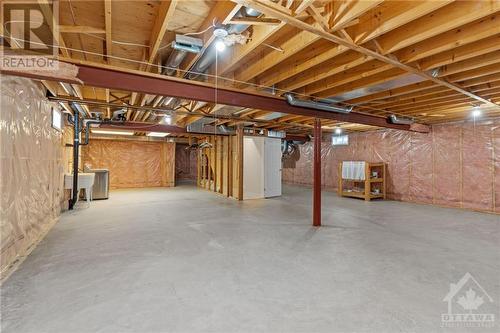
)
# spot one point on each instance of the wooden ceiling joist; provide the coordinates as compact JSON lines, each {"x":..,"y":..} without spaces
{"x":131,"y":80}
{"x":108,"y":28}
{"x":271,"y":11}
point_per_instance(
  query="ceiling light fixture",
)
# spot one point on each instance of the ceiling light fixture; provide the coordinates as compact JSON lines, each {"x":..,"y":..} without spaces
{"x":101,"y":131}
{"x":167,"y":119}
{"x":158,"y":134}
{"x":338,"y":130}
{"x":220,"y":46}
{"x":476,"y":112}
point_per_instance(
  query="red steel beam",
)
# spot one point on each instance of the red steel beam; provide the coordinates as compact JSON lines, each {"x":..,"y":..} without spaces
{"x":135,"y":81}
{"x":317,"y":174}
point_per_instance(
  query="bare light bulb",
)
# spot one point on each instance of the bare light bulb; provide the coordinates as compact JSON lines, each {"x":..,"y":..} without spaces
{"x":338,"y":130}
{"x":167,"y":119}
{"x":476,"y":112}
{"x":220,"y":46}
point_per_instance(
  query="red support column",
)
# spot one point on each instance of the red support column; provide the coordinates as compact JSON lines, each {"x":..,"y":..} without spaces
{"x":317,"y":174}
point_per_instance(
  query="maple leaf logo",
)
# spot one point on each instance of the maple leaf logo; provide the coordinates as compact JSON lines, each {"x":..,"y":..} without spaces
{"x":470,"y":301}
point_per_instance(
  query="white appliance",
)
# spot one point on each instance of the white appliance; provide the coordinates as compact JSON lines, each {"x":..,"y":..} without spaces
{"x":85,"y":180}
{"x":261,"y":167}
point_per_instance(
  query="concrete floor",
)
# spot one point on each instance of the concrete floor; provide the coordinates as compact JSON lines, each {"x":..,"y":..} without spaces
{"x":185,"y":260}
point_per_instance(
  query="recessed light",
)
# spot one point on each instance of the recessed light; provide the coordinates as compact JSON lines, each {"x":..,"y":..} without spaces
{"x":158,"y":134}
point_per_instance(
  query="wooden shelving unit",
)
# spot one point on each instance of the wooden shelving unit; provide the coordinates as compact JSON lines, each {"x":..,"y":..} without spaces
{"x":368,"y":184}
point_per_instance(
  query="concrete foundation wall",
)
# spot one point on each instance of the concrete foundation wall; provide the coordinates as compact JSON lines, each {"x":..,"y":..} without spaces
{"x":455,"y":165}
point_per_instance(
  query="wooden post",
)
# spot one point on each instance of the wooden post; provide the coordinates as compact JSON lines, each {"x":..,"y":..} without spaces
{"x":215,"y":142}
{"x":239,"y":136}
{"x":368,"y":185}
{"x":384,"y":178}
{"x":198,"y":167}
{"x":317,"y":174}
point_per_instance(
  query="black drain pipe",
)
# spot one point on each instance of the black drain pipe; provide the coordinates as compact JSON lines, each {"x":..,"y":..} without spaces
{"x":76,"y":148}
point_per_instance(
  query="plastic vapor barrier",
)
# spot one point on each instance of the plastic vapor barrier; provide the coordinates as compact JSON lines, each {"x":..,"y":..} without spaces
{"x":185,"y":163}
{"x":31,"y":182}
{"x":456,"y":165}
{"x":132,"y":164}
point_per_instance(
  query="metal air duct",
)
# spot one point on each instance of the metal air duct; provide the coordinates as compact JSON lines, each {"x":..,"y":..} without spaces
{"x":209,"y":55}
{"x":181,"y":46}
{"x":315,"y":105}
{"x":205,"y":126}
{"x":393,"y":119}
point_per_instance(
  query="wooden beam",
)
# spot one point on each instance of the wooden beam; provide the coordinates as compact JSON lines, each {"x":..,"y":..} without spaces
{"x":259,"y":35}
{"x":328,"y":69}
{"x":366,"y":70}
{"x":390,"y":15}
{"x":477,"y":62}
{"x":442,"y":20}
{"x":346,"y":11}
{"x":302,"y":62}
{"x":485,"y":28}
{"x":50,"y":18}
{"x":81,"y":29}
{"x":480,"y":48}
{"x":108,"y":27}
{"x":388,"y":75}
{"x":105,"y":76}
{"x":165,"y":13}
{"x":254,"y":21}
{"x":303,"y":6}
{"x":291,"y":46}
{"x":318,"y":17}
{"x":329,"y":36}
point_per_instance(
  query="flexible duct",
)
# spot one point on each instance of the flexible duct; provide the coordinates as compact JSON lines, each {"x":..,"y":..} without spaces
{"x":173,"y":62}
{"x":393,"y":119}
{"x":315,"y":105}
{"x":209,"y":55}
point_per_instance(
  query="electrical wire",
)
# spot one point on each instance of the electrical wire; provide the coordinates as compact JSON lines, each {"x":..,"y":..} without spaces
{"x":201,"y":32}
{"x":230,"y":80}
{"x":119,"y":42}
{"x":279,"y":49}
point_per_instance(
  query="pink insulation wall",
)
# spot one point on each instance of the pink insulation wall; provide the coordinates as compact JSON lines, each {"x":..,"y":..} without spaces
{"x":456,"y":165}
{"x":185,"y":163}
{"x":31,"y":169}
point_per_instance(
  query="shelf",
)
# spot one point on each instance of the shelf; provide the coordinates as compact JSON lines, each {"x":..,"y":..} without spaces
{"x":373,"y":180}
{"x":354,"y":194}
{"x":361,"y":195}
{"x":365,"y":193}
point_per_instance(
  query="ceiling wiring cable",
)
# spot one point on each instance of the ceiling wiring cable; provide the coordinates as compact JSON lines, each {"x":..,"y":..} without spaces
{"x":214,"y":21}
{"x":209,"y":76}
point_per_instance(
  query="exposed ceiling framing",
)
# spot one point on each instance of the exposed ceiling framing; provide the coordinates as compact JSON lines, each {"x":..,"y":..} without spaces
{"x":432,"y":60}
